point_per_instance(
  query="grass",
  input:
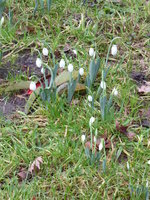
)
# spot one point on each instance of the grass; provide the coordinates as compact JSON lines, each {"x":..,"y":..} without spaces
{"x":54,"y":132}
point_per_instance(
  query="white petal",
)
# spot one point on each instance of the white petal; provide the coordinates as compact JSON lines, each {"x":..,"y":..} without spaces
{"x":38,"y":62}
{"x":114,"y":50}
{"x":62,"y":63}
{"x":33,"y":86}
{"x":81,"y":71}
{"x":45,"y":51}
{"x":42,"y":70}
{"x":90,"y":99}
{"x":75,"y":52}
{"x":91,"y":52}
{"x":115,"y":92}
{"x":100,"y":146}
{"x":2,"y":21}
{"x":82,"y":138}
{"x":70,"y":68}
{"x":103,"y":85}
{"x":92,"y":119}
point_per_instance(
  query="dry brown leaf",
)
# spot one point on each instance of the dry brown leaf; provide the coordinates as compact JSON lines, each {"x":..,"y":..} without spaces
{"x":35,"y":166}
{"x":123,"y":129}
{"x":144,"y":88}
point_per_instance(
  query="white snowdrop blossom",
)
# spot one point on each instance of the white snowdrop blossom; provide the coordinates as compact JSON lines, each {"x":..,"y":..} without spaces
{"x":147,"y":183}
{"x":91,"y":52}
{"x":45,"y":51}
{"x":94,"y":139}
{"x":38,"y":62}
{"x":100,"y":146}
{"x":42,"y":70}
{"x":115,"y":92}
{"x":62,"y":63}
{"x":128,"y":167}
{"x":114,"y":50}
{"x":148,"y":162}
{"x":103,"y":85}
{"x":81,"y":71}
{"x":92,"y":119}
{"x":83,"y":138}
{"x":75,"y":52}
{"x":33,"y":86}
{"x":90,"y":98}
{"x":70,"y":68}
{"x":2,"y":21}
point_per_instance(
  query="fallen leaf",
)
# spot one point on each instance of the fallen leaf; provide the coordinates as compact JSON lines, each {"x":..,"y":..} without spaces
{"x":145,"y":117}
{"x":144,"y":88}
{"x":35,"y":166}
{"x":107,"y":143}
{"x":123,"y":129}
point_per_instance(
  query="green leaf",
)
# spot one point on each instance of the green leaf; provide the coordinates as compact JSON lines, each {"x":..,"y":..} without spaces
{"x":31,"y":99}
{"x":65,"y":77}
{"x":71,"y":89}
{"x":49,"y":2}
{"x":14,"y":86}
{"x":93,"y":69}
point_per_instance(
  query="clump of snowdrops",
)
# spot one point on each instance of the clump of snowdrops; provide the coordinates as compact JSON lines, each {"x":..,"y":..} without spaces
{"x":49,"y":90}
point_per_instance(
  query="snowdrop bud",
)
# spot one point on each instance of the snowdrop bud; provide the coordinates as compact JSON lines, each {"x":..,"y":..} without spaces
{"x":115,"y":92}
{"x":90,"y":98}
{"x":114,"y":50}
{"x":2,"y":21}
{"x":38,"y":62}
{"x":148,"y":162}
{"x":70,"y":68}
{"x":91,"y":52}
{"x":103,"y":85}
{"x":147,"y":183}
{"x":100,"y":146}
{"x":45,"y":51}
{"x":62,"y":63}
{"x":81,"y":71}
{"x":94,"y":139}
{"x":92,"y":119}
{"x":82,"y":138}
{"x":128,"y":167}
{"x":42,"y":70}
{"x":75,"y":52}
{"x":33,"y":86}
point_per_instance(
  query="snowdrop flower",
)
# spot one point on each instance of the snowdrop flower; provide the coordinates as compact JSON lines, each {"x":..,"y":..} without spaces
{"x":82,"y":138}
{"x":90,"y":98}
{"x":45,"y":51}
{"x":147,"y":183}
{"x":38,"y":62}
{"x":81,"y":71}
{"x":70,"y":68}
{"x":42,"y":70}
{"x":128,"y":167}
{"x":2,"y":21}
{"x":115,"y":92}
{"x":148,"y":162}
{"x":75,"y":52}
{"x":114,"y":50}
{"x":92,"y":119}
{"x":94,"y":139}
{"x":103,"y":85}
{"x":91,"y":52}
{"x":62,"y":63}
{"x":33,"y":86}
{"x":100,"y":146}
